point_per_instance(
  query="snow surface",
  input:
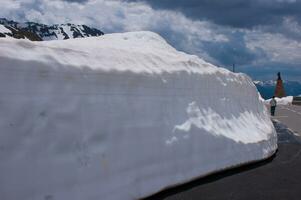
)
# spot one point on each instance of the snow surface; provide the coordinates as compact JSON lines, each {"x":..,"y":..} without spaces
{"x":261,"y":98}
{"x":281,"y":101}
{"x":3,"y":29}
{"x":62,"y":30}
{"x":120,"y":117}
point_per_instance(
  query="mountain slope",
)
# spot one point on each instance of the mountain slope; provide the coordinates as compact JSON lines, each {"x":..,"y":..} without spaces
{"x":9,"y":31}
{"x":267,"y":88}
{"x":37,"y":32}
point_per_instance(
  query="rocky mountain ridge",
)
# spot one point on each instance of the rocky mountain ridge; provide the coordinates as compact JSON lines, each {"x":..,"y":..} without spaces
{"x":42,"y":32}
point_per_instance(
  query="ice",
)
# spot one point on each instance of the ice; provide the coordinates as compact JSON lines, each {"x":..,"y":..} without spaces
{"x":121,"y":116}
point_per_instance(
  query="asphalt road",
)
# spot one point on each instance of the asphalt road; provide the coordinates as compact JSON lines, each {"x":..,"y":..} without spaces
{"x":277,"y":178}
{"x":290,"y":116}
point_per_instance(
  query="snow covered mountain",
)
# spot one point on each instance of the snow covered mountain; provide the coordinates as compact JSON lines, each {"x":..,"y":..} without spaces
{"x":37,"y":32}
{"x":120,"y":117}
{"x":267,"y":88}
{"x":9,"y":31}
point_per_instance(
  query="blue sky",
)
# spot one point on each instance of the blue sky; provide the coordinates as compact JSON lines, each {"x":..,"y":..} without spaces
{"x":261,"y":37}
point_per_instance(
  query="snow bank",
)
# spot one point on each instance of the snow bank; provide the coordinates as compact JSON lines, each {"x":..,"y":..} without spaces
{"x":261,"y":99}
{"x":120,"y":117}
{"x":281,"y":101}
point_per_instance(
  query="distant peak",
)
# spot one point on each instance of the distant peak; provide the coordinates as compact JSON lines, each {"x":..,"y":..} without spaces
{"x":37,"y":31}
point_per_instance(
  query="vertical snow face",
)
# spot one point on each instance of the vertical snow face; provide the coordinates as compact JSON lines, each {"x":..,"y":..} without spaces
{"x":120,"y":117}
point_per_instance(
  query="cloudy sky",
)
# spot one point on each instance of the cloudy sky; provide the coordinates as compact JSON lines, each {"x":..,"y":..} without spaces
{"x":261,"y":37}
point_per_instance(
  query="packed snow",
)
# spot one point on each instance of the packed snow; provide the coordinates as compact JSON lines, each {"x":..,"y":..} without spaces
{"x":121,"y":116}
{"x":282,"y":101}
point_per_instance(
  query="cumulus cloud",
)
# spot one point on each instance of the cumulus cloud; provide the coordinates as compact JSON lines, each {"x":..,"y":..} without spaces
{"x":276,"y":46}
{"x":244,"y":32}
{"x":234,"y":13}
{"x":120,"y":16}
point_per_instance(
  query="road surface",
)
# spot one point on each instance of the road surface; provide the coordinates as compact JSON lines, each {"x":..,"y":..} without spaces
{"x":276,"y":178}
{"x":290,"y":116}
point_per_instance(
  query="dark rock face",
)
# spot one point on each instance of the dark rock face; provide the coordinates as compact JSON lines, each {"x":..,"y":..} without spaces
{"x":22,"y":34}
{"x":38,"y":32}
{"x":13,"y":30}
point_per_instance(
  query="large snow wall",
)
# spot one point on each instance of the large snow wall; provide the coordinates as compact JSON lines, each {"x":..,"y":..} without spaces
{"x":121,"y":116}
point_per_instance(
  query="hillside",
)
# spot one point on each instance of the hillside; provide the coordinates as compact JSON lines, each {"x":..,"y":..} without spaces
{"x":38,"y":32}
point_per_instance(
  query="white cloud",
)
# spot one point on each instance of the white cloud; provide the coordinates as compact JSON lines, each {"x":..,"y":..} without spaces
{"x":184,"y":33}
{"x":119,"y":16}
{"x":8,"y":7}
{"x":286,"y":1}
{"x":291,"y":25}
{"x":110,"y":15}
{"x":277,"y":47}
